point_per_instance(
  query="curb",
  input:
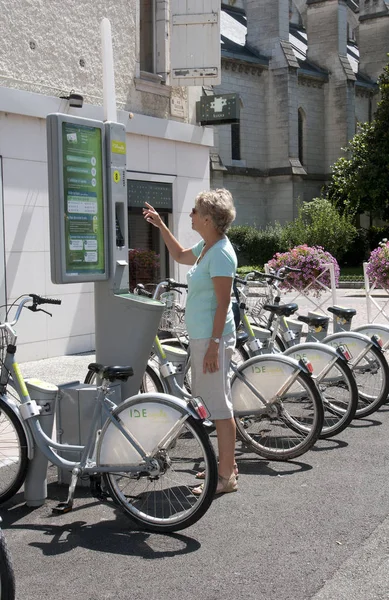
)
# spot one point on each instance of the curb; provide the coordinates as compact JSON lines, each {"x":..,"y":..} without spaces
{"x":351,"y":284}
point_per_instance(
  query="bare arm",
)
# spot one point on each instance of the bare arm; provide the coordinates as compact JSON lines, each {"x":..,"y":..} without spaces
{"x":180,"y":254}
{"x":222,"y":286}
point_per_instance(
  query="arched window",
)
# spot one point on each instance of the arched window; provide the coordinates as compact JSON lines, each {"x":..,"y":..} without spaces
{"x":301,"y":131}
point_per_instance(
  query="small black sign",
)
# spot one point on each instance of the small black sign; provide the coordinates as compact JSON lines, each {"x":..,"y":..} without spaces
{"x":218,"y":110}
{"x":159,"y":195}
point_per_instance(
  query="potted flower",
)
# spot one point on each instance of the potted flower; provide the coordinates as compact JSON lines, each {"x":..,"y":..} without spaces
{"x":311,"y":261}
{"x":143,"y":266}
{"x":377,"y":267}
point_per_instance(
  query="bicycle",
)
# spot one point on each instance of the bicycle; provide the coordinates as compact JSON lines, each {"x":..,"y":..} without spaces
{"x":365,"y":357}
{"x":7,"y":575}
{"x":274,"y":394}
{"x":147,"y":451}
{"x":331,"y":373}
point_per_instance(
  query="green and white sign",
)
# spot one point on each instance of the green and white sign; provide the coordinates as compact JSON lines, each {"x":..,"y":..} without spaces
{"x":77,"y":199}
{"x":84,"y":197}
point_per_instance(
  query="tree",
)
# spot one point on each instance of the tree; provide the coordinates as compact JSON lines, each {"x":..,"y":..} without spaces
{"x":360,"y":181}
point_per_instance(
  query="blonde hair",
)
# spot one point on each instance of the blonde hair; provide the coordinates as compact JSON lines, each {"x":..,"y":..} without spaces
{"x":219,"y":205}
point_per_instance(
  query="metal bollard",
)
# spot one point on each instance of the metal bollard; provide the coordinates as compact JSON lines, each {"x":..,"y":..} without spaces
{"x":35,"y":486}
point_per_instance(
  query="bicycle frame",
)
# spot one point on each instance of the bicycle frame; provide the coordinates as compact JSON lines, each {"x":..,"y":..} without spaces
{"x":28,"y":413}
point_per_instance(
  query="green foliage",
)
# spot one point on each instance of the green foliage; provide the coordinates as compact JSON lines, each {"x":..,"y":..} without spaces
{"x":242,"y":271}
{"x":255,"y":246}
{"x":358,"y":249}
{"x":375,"y":235}
{"x":360,"y":180}
{"x":319,"y":223}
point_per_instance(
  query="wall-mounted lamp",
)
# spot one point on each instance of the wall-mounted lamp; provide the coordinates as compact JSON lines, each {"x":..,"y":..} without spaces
{"x":75,"y":100}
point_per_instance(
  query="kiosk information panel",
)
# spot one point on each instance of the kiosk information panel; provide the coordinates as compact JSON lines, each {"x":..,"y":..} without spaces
{"x":77,"y":199}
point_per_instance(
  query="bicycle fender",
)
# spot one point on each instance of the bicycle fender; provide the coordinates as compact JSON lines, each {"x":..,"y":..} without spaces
{"x":28,"y":434}
{"x":277,"y":357}
{"x":335,"y":339}
{"x":173,"y":401}
{"x":375,"y":329}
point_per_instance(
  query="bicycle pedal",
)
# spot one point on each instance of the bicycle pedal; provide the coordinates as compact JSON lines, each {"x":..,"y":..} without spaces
{"x":62,"y":508}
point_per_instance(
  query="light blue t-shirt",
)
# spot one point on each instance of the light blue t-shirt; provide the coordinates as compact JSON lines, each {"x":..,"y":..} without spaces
{"x":201,"y":303}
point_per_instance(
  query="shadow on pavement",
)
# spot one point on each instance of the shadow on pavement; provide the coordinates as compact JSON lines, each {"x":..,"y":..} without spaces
{"x":329,"y":444}
{"x":359,"y":423}
{"x":109,"y":537}
{"x":252,"y":466}
{"x":118,"y":535}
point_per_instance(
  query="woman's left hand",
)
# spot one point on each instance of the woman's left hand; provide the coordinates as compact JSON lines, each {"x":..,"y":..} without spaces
{"x":211,"y":359}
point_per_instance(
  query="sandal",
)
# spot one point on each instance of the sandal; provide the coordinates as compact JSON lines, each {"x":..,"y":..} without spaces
{"x":224,"y":486}
{"x":201,"y":474}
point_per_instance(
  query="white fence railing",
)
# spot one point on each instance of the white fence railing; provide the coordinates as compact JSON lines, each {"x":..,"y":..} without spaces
{"x":374,"y":309}
{"x":327,"y":295}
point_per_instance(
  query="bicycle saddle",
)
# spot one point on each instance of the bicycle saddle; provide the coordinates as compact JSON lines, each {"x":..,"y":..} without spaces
{"x":340,"y":311}
{"x":282,"y":310}
{"x":314,"y":321}
{"x":111,"y":373}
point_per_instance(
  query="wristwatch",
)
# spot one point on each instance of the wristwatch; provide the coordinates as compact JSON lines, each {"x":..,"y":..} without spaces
{"x":216,"y":340}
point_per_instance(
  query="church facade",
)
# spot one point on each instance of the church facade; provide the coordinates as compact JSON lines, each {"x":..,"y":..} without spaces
{"x":306,"y":73}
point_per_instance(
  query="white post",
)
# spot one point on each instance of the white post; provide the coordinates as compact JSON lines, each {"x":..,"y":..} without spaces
{"x":367,"y":288}
{"x":333,"y":283}
{"x":109,"y":95}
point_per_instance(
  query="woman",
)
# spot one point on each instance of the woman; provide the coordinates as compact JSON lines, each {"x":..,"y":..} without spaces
{"x":209,"y":317}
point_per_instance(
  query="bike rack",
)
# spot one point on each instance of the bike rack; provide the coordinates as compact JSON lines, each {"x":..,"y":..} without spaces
{"x":329,"y":292}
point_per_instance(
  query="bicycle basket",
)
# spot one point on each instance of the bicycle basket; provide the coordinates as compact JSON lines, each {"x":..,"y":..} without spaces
{"x":257,"y":295}
{"x":173,"y":317}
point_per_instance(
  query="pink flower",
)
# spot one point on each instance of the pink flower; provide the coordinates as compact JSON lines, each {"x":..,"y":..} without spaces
{"x":378,"y":265}
{"x":310,"y":261}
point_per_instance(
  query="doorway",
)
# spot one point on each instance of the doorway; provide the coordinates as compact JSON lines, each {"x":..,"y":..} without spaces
{"x":148,"y":256}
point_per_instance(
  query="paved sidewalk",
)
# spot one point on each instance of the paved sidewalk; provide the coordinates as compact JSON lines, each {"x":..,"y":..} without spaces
{"x":315,"y":528}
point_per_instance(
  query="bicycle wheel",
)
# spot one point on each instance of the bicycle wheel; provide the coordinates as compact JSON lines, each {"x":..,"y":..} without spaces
{"x":7,"y":577}
{"x":288,"y":420}
{"x":339,"y":393}
{"x":162,"y":501}
{"x":13,"y":453}
{"x":337,"y":385}
{"x":151,"y":383}
{"x":372,"y":378}
{"x":369,"y":367}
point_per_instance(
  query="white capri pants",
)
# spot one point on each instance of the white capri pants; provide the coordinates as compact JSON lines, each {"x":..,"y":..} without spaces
{"x":213,"y":388}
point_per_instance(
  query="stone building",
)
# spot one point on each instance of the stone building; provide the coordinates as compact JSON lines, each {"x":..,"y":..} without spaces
{"x":306,"y":73}
{"x":47,"y":51}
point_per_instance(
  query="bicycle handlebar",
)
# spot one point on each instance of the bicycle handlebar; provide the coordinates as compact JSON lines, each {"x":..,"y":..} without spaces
{"x":175,"y":285}
{"x":41,"y":300}
{"x":36,"y":301}
{"x":169,"y":284}
{"x":140,"y":290}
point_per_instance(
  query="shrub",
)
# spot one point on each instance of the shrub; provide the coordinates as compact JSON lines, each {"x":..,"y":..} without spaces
{"x":255,"y":246}
{"x":358,"y":251}
{"x":143,"y":266}
{"x":378,"y":265}
{"x":320,"y":224}
{"x":311,"y":261}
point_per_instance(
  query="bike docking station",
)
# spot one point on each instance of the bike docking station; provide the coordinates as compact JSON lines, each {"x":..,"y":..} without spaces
{"x":89,"y":243}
